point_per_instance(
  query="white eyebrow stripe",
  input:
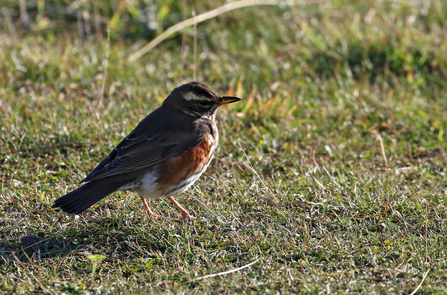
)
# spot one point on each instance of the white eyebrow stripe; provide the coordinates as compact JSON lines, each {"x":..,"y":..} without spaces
{"x":190,"y":96}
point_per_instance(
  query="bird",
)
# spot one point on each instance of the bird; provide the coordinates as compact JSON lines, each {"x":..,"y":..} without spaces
{"x":162,"y":157}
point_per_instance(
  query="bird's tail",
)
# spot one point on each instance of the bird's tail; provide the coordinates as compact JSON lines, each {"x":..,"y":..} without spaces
{"x":82,"y":198}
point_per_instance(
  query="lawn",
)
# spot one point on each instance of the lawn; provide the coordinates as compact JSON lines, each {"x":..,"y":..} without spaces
{"x":330,"y":176}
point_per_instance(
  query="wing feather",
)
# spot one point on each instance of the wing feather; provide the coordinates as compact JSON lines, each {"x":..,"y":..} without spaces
{"x":144,"y":149}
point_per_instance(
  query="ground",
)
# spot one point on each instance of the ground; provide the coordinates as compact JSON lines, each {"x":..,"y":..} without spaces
{"x":330,"y":174}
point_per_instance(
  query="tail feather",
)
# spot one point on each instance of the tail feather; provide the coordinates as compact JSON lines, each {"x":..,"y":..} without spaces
{"x":82,"y":198}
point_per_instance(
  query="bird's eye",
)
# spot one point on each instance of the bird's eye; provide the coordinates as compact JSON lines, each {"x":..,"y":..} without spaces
{"x":204,"y":103}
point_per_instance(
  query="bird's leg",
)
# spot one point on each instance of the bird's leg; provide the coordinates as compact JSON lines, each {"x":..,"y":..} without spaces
{"x":184,"y":212}
{"x":149,"y":211}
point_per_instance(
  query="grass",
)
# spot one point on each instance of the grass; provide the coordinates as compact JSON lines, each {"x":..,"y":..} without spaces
{"x":321,"y":84}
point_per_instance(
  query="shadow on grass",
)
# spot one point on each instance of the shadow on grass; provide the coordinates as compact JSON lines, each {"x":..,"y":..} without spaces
{"x":98,"y":235}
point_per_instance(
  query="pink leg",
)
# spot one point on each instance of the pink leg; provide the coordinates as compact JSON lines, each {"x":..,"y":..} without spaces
{"x":184,"y":212}
{"x":149,"y":211}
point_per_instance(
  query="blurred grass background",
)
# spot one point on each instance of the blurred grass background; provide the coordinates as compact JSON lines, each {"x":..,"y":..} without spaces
{"x":323,"y":83}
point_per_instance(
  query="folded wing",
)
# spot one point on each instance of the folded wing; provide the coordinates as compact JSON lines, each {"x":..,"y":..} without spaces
{"x":140,"y":150}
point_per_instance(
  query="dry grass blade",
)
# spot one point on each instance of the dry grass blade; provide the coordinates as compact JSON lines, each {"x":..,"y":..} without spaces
{"x":274,"y":198}
{"x":206,"y":16}
{"x":225,"y":272}
{"x":382,"y":148}
{"x":420,"y":284}
{"x":331,"y":177}
{"x":219,"y":217}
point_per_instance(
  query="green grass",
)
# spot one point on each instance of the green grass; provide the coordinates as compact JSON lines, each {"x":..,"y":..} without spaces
{"x":321,"y":85}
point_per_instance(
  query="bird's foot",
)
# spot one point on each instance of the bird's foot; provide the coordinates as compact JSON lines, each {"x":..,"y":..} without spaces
{"x":153,"y":214}
{"x":148,"y":210}
{"x":187,"y":215}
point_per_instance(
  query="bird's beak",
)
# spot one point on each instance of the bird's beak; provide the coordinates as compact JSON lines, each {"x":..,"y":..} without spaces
{"x":228,"y":99}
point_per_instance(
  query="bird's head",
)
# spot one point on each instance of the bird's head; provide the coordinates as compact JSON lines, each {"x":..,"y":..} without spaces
{"x":197,"y":99}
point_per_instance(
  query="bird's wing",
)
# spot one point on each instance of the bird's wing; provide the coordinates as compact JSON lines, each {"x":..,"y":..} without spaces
{"x":143,"y":149}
